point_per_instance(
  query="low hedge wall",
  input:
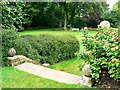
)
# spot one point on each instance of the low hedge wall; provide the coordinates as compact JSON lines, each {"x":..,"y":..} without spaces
{"x":54,"y":48}
{"x":11,"y":39}
{"x":42,"y":48}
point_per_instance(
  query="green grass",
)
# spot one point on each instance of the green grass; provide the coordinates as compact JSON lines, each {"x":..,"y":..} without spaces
{"x":72,"y":66}
{"x":14,"y":78}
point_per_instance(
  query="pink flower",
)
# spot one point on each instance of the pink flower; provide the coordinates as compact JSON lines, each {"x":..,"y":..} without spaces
{"x":116,"y":38}
{"x":108,"y":32}
{"x":113,"y":33}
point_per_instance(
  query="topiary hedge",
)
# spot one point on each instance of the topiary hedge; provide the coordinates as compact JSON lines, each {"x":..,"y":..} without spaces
{"x":43,"y":48}
{"x":11,"y":39}
{"x":54,"y":48}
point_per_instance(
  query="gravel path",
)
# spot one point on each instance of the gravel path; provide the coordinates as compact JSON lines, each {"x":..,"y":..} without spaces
{"x":48,"y":73}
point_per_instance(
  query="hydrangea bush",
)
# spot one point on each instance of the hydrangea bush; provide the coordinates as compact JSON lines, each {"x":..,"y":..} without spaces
{"x":102,"y":52}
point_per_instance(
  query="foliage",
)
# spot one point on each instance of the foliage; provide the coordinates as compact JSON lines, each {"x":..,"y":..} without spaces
{"x":92,"y":12}
{"x":79,"y":22}
{"x":113,"y":16}
{"x":11,"y":39}
{"x":13,"y":15}
{"x":53,"y":48}
{"x":102,"y":52}
{"x":19,"y":15}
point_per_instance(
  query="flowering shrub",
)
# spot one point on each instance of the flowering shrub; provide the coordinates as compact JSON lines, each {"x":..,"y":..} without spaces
{"x":102,"y":52}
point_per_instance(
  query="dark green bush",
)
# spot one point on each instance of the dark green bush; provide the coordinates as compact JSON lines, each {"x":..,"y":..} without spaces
{"x":54,"y":48}
{"x":43,"y":48}
{"x":11,"y":39}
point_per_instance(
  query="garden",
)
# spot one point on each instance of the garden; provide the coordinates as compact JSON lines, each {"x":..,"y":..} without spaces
{"x":60,"y":45}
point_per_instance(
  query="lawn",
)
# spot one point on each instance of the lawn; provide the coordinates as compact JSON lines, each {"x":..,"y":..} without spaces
{"x":72,"y":66}
{"x":14,"y":78}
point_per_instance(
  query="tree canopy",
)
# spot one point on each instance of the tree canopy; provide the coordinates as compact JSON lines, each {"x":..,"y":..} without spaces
{"x":113,"y":16}
{"x":19,"y":15}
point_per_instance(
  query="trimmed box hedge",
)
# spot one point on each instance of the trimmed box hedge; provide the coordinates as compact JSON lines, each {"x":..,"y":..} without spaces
{"x":10,"y":39}
{"x":54,"y":48}
{"x":43,"y":48}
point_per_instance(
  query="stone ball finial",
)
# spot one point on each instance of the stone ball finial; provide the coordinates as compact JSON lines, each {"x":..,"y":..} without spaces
{"x":86,"y":70}
{"x":12,"y":52}
{"x":105,"y":24}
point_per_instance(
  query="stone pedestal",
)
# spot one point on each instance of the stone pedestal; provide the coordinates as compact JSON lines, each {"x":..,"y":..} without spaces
{"x":86,"y":79}
{"x":18,"y":59}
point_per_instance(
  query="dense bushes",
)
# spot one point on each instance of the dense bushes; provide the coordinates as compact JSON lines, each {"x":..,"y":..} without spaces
{"x":43,"y":48}
{"x":54,"y":48}
{"x":11,"y":39}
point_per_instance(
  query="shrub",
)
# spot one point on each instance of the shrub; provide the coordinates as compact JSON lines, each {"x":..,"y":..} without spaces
{"x":43,"y":48}
{"x":53,"y":48}
{"x":14,"y":15}
{"x":102,"y":53}
{"x":11,"y":39}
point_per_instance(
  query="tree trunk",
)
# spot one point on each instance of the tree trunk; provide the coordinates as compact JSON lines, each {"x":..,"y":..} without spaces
{"x":65,"y":21}
{"x":72,"y":20}
{"x":72,"y":17}
{"x":60,"y":22}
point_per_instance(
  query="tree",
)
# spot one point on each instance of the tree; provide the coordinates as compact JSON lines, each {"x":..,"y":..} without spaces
{"x":92,"y":12}
{"x":52,"y":15}
{"x":13,"y":15}
{"x":113,"y":16}
{"x":64,"y":6}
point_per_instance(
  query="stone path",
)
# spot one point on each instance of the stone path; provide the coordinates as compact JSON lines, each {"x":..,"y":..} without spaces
{"x":48,"y":73}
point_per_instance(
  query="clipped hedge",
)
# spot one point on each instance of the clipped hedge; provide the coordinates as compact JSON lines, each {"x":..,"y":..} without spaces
{"x":43,"y":48}
{"x":11,"y":39}
{"x":54,"y":48}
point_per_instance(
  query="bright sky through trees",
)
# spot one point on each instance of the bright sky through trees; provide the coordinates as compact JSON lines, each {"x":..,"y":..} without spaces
{"x":111,"y":3}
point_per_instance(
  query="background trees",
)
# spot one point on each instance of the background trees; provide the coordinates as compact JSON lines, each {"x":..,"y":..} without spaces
{"x":113,"y":16}
{"x":23,"y":15}
{"x":14,"y":15}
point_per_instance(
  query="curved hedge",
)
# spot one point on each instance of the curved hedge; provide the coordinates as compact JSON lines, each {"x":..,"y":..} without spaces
{"x":11,"y":39}
{"x":42,"y":48}
{"x":54,"y":48}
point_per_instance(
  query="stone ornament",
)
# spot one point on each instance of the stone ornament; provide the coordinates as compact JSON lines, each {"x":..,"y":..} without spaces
{"x":87,"y":81}
{"x":15,"y":60}
{"x":105,"y":24}
{"x":86,"y":70}
{"x":12,"y":52}
{"x":46,"y":64}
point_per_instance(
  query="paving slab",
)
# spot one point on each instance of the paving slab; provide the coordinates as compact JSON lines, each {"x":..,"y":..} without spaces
{"x":48,"y":73}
